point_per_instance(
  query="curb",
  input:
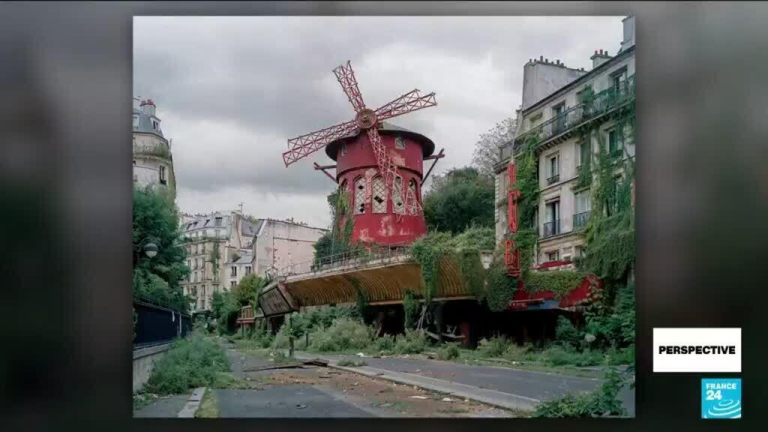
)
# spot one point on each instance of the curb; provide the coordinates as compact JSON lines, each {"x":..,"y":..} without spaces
{"x":193,"y":403}
{"x":495,"y":398}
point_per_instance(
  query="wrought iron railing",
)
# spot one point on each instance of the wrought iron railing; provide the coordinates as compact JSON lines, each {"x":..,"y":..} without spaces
{"x":554,"y":179}
{"x":360,"y":257}
{"x":551,"y":229}
{"x":580,"y":220}
{"x":599,"y":104}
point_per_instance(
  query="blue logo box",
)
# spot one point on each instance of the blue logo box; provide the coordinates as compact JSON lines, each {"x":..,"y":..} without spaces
{"x":721,"y":398}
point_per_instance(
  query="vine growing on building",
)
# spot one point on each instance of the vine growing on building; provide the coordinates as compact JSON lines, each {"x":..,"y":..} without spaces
{"x":527,"y":183}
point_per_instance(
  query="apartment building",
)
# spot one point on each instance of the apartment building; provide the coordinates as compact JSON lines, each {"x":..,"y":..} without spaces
{"x":212,"y":243}
{"x":152,"y":158}
{"x":281,"y":243}
{"x":555,"y":120}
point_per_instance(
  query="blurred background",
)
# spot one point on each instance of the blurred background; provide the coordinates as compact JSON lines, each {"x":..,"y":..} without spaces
{"x":65,"y":191}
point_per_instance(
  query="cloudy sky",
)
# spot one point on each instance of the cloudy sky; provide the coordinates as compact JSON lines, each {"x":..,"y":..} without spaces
{"x":232,"y":90}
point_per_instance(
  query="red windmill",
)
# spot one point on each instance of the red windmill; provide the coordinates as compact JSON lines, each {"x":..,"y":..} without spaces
{"x":378,"y":175}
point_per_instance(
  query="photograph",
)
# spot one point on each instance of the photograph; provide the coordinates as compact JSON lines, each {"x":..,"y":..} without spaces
{"x":383,"y":216}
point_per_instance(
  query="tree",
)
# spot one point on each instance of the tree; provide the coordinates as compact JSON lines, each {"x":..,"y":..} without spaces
{"x":487,"y":153}
{"x":155,"y":217}
{"x":460,"y":199}
{"x":248,"y":290}
{"x":225,"y":309}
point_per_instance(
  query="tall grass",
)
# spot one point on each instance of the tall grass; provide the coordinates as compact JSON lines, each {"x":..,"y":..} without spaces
{"x":190,"y":362}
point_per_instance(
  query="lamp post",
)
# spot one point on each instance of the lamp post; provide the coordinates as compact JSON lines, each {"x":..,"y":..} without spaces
{"x":148,"y":245}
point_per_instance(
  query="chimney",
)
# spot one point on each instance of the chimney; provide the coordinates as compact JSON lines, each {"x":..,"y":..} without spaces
{"x":599,"y":58}
{"x":629,"y":33}
{"x":148,"y":107}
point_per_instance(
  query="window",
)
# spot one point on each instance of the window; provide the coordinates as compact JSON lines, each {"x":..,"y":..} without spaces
{"x":557,"y":114}
{"x":234,"y":271}
{"x":379,"y":203}
{"x":162,"y":174}
{"x":135,"y":122}
{"x":205,"y":233}
{"x":552,"y":224}
{"x":344,"y":149}
{"x":217,"y":222}
{"x":155,"y":125}
{"x":553,"y":165}
{"x":189,"y":264}
{"x":580,"y":251}
{"x":134,"y":162}
{"x":584,"y":154}
{"x":412,"y":191}
{"x":614,"y":143}
{"x":217,"y":232}
{"x":232,"y":284}
{"x":553,"y":256}
{"x":581,"y":212}
{"x":215,"y":288}
{"x":247,"y":270}
{"x":397,"y":194}
{"x":360,"y":195}
{"x":399,"y":143}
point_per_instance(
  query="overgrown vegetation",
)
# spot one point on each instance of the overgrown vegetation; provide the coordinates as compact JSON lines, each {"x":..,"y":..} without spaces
{"x":190,"y":363}
{"x":599,"y":403}
{"x":339,"y":239}
{"x":156,"y":220}
{"x":458,"y":200}
{"x":352,"y":363}
{"x":490,"y":286}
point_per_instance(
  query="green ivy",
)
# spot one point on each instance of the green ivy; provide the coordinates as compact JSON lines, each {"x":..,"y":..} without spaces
{"x":500,"y":288}
{"x":428,"y":251}
{"x":411,"y":309}
{"x":560,"y":282}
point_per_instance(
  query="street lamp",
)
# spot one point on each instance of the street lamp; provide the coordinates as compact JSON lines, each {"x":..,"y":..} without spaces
{"x":148,"y":246}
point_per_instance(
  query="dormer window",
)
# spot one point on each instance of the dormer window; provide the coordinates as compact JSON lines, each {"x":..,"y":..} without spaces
{"x":162,"y":175}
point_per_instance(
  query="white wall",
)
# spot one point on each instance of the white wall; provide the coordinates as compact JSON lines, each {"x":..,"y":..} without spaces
{"x":283,"y":243}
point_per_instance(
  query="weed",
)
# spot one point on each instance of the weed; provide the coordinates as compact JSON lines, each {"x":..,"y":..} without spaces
{"x":449,"y":351}
{"x":208,"y":406}
{"x":413,"y":342}
{"x":599,"y":403}
{"x":343,"y":334}
{"x":352,"y":363}
{"x":189,"y":363}
{"x":143,"y":399}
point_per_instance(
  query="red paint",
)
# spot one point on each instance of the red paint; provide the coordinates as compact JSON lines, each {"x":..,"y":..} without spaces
{"x":355,"y":159}
{"x":576,"y":296}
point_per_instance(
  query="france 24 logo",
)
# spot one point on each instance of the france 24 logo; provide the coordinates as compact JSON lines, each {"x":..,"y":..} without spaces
{"x":721,"y":398}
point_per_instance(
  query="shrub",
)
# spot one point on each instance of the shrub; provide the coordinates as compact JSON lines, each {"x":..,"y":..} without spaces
{"x":385,"y":343}
{"x":566,"y":333}
{"x":261,"y":338}
{"x":449,"y":351}
{"x":413,"y":342}
{"x":601,"y":402}
{"x":343,"y":334}
{"x":621,"y":356}
{"x":518,"y":353}
{"x":560,"y":356}
{"x":191,"y":362}
{"x":281,"y":338}
{"x":494,"y":347}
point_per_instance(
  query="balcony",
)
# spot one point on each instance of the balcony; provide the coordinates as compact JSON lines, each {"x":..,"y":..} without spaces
{"x":551,"y":229}
{"x":580,"y":220}
{"x":566,"y":121}
{"x":554,"y":179}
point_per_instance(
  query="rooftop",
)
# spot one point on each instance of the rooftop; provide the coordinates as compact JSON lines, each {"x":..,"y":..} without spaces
{"x":385,"y":128}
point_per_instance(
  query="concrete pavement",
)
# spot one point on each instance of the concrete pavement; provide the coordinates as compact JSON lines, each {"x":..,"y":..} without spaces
{"x":499,"y":386}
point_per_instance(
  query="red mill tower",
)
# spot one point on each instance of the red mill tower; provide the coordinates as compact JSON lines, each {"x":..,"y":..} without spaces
{"x":379,"y":165}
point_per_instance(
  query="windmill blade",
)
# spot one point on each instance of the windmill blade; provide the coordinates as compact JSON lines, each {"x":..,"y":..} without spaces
{"x":304,"y":145}
{"x":346,"y":77}
{"x":402,"y":202}
{"x":411,"y":101}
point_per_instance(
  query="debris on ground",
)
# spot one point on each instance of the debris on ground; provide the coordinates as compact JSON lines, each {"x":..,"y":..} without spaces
{"x":419,"y":397}
{"x":300,"y":406}
{"x":360,"y":354}
{"x":446,"y":399}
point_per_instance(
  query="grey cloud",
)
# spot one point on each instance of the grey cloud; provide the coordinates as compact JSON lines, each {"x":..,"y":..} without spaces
{"x":270,"y":79}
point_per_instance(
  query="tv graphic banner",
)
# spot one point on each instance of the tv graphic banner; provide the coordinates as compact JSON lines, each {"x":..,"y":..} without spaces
{"x":697,"y":350}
